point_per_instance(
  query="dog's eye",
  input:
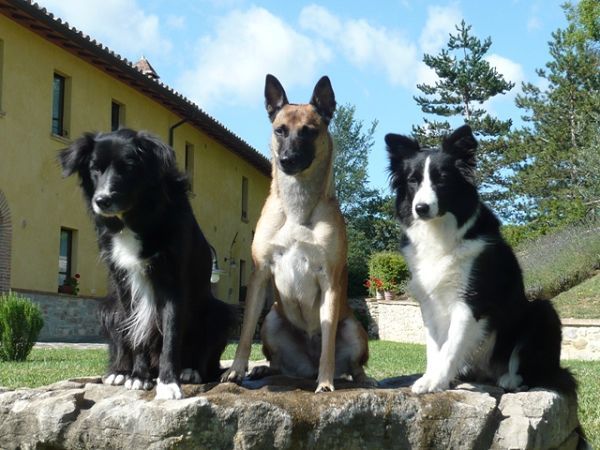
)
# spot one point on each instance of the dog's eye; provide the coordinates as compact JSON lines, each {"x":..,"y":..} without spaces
{"x":307,"y":132}
{"x":413,"y":179}
{"x":281,"y":131}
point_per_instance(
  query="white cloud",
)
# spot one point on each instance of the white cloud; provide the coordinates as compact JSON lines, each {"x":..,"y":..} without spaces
{"x":364,"y":45}
{"x":122,"y":25}
{"x":230,"y":64}
{"x":441,"y":21}
{"x":426,"y":75}
{"x":511,"y":70}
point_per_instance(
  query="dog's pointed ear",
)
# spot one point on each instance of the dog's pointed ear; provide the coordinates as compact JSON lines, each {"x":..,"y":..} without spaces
{"x":150,"y":144}
{"x":462,"y":145}
{"x":399,"y":148}
{"x":275,"y":97}
{"x":323,"y":98}
{"x":77,"y":155}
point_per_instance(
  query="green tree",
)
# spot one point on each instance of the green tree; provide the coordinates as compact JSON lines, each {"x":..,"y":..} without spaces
{"x":555,"y":155}
{"x":352,"y":147}
{"x":369,"y":217}
{"x":465,"y":81}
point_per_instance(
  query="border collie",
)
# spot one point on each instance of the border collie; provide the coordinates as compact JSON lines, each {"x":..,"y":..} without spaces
{"x":468,"y":282}
{"x":161,"y":316}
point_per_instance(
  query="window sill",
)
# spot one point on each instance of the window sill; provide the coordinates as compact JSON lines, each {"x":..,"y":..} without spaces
{"x":61,"y":139}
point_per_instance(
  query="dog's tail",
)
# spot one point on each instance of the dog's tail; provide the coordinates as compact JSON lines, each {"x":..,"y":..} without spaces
{"x":540,"y":355}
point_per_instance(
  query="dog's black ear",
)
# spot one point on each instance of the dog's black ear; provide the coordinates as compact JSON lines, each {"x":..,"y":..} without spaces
{"x":462,"y":145}
{"x":275,"y":97}
{"x":323,"y":98}
{"x":399,"y":148}
{"x":152,"y":145}
{"x":77,"y":155}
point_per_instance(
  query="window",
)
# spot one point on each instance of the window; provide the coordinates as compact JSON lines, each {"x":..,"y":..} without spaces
{"x":58,"y":105}
{"x":117,"y":115}
{"x":65,"y":256}
{"x":245,"y":199}
{"x":189,"y":164}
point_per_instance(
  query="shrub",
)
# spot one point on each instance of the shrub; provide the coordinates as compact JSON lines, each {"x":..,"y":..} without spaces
{"x":390,"y":269}
{"x":20,"y":325}
{"x":556,"y":262}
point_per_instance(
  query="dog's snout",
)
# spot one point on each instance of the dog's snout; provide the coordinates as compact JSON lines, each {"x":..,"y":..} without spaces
{"x":422,"y":209}
{"x":103,"y":201}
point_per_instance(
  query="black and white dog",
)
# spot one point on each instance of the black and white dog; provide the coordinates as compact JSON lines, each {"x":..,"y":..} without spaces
{"x":162,"y":317}
{"x":466,"y":278}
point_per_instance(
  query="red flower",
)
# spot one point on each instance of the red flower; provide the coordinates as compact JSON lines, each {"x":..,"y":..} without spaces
{"x":77,"y":275}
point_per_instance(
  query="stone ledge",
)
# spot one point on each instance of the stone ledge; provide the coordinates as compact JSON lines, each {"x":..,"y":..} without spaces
{"x":284,"y":413}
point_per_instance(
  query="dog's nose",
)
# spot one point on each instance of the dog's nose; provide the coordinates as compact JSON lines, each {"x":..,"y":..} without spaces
{"x":422,"y":209}
{"x":103,"y":201}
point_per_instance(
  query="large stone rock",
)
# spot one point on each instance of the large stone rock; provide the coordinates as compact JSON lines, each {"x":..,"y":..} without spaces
{"x":284,"y":413}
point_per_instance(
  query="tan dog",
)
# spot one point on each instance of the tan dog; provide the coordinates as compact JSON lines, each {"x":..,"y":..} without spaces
{"x":300,"y":244}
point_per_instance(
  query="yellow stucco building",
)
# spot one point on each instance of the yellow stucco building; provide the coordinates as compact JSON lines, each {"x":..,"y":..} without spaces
{"x":55,"y":84}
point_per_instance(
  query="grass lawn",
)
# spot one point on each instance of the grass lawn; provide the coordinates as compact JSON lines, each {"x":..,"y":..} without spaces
{"x":581,"y":301}
{"x":387,"y":359}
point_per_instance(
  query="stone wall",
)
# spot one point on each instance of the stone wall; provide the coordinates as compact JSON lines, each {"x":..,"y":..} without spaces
{"x":401,"y":321}
{"x":67,"y":318}
{"x":581,"y":339}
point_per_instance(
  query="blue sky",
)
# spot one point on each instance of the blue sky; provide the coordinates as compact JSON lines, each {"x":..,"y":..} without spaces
{"x":217,"y":53}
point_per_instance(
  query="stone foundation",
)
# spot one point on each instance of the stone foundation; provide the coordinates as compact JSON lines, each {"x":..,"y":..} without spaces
{"x":67,"y":318}
{"x":284,"y":413}
{"x":581,"y":339}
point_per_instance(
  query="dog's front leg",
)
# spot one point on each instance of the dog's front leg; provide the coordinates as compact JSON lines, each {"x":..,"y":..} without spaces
{"x":329,"y":312}
{"x":464,"y":336}
{"x":167,"y":387}
{"x":255,"y":301}
{"x":141,"y":377}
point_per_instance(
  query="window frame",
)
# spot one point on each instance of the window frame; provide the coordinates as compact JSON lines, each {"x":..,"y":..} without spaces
{"x":58,"y":122}
{"x":245,"y":196}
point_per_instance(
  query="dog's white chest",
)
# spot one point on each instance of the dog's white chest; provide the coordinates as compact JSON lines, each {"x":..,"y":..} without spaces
{"x":297,"y":264}
{"x":440,"y":262}
{"x":125,"y":254}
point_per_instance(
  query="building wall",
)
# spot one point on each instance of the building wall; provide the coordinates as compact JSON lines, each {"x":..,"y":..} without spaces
{"x":41,"y":202}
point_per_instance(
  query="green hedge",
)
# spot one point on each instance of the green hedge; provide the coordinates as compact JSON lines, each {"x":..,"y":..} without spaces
{"x":20,"y":325}
{"x":390,"y":269}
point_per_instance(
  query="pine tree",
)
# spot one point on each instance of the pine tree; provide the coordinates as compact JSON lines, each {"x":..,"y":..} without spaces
{"x":466,"y":81}
{"x":555,"y":156}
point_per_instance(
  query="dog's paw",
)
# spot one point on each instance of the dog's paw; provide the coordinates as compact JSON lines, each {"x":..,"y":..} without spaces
{"x":259,"y":372}
{"x":190,"y":376}
{"x":235,"y":373}
{"x":168,"y":391}
{"x":512,"y":382}
{"x":137,"y":384}
{"x":428,"y":383}
{"x":115,"y":379}
{"x":324,"y":386}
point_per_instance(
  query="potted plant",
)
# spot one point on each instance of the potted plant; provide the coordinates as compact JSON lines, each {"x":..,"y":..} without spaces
{"x":391,"y":269}
{"x":70,"y":285}
{"x":375,"y":287}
